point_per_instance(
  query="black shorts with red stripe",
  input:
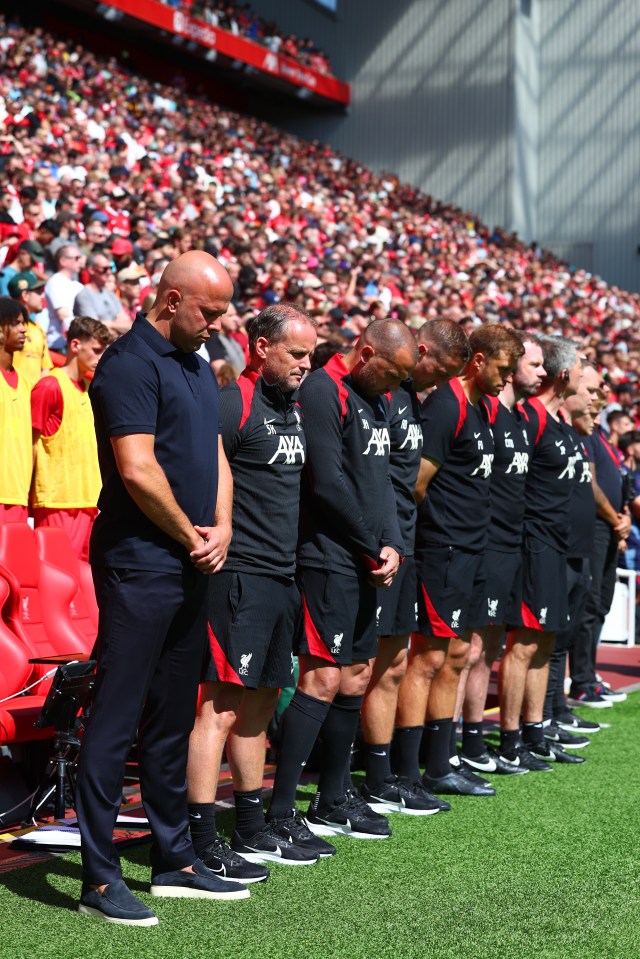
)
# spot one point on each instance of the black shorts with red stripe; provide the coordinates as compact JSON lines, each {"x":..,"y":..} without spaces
{"x":544,"y":587}
{"x":451,"y":591}
{"x":253,"y":620}
{"x":397,"y":613}
{"x":503,"y":593}
{"x":339,"y":622}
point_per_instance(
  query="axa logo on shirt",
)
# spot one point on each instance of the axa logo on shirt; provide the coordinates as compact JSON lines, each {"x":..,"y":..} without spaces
{"x":289,"y":447}
{"x":570,"y":469}
{"x":586,"y":473}
{"x":413,"y":438}
{"x":519,"y":464}
{"x":379,"y":442}
{"x":484,"y":469}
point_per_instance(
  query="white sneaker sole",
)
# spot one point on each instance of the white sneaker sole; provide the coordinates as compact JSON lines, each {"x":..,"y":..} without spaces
{"x":186,"y":892}
{"x":261,"y":857}
{"x":396,"y":809}
{"x":605,"y":704}
{"x":328,"y":829}
{"x":98,"y":914}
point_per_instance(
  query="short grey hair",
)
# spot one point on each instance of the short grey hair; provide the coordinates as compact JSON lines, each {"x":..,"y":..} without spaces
{"x":559,"y":354}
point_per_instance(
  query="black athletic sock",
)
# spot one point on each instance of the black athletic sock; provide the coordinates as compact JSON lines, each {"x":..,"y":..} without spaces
{"x":338,"y":733}
{"x":532,"y":734}
{"x":347,"y":781}
{"x":202,"y":824}
{"x":301,"y":724}
{"x":249,"y":813}
{"x":472,"y":739}
{"x":438,"y":733}
{"x":453,"y":741}
{"x":378,"y":764}
{"x":509,"y":739}
{"x":406,"y":752}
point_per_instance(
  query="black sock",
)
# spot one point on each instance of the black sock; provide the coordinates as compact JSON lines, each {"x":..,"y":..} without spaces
{"x":202,"y":824}
{"x":406,"y":752}
{"x":338,"y":733}
{"x":532,"y":734}
{"x":347,"y":782}
{"x":301,"y":724}
{"x":249,"y":813}
{"x":438,"y":733}
{"x":453,"y":741}
{"x":472,"y":740}
{"x":378,"y":764}
{"x":509,"y":739}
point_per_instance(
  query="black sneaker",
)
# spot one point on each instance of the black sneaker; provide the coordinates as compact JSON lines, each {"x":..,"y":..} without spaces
{"x":295,"y":828}
{"x":504,"y":767}
{"x":562,"y":737}
{"x":588,"y":697}
{"x":551,"y":752}
{"x":520,"y":757}
{"x":456,"y":784}
{"x":471,"y":776}
{"x":228,"y":865}
{"x":397,"y":796}
{"x":484,"y":763}
{"x":613,"y":695}
{"x":268,"y":846}
{"x":349,"y":815}
{"x":567,"y":719}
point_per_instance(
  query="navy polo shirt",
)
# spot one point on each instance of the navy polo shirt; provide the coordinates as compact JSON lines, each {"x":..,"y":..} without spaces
{"x":143,"y":384}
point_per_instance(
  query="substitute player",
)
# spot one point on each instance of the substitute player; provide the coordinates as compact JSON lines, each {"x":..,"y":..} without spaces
{"x":15,"y":417}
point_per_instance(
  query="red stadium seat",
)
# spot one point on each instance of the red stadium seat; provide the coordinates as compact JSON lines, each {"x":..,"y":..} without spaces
{"x":42,"y":620}
{"x":54,"y":549}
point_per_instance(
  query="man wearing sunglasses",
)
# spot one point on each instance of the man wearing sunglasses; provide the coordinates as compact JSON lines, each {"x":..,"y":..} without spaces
{"x":97,"y":300}
{"x":60,"y":293}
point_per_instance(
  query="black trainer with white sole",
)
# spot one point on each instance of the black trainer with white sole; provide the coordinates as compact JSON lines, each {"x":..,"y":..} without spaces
{"x":588,"y":697}
{"x":268,"y":845}
{"x":551,"y":752}
{"x":397,"y":796}
{"x":229,"y":865}
{"x":520,"y":758}
{"x":456,"y":783}
{"x":504,"y":767}
{"x":613,"y":695}
{"x":556,"y":734}
{"x":567,"y":719}
{"x":484,"y":763}
{"x":349,"y":815}
{"x":202,"y":883}
{"x":295,"y":828}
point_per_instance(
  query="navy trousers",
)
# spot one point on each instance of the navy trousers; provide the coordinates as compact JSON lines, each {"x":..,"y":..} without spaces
{"x":151,"y":637}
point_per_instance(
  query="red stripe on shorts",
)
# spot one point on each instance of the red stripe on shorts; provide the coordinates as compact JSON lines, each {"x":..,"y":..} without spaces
{"x":226,"y":672}
{"x":529,"y":620}
{"x":314,"y":640}
{"x":438,"y":625}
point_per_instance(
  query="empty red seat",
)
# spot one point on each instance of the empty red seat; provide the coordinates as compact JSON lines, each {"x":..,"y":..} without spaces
{"x":54,"y":549}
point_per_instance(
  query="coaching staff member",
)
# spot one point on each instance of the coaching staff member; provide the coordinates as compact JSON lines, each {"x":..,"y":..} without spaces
{"x":159,"y":531}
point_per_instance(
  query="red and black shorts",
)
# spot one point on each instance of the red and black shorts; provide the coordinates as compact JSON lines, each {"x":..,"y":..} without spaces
{"x":503,"y":593}
{"x":544,"y":604}
{"x":339,"y":617}
{"x":397,"y":612}
{"x":253,"y":621}
{"x":451,"y":591}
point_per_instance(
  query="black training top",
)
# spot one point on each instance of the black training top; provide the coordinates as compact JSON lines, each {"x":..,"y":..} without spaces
{"x":550,"y":479}
{"x":405,"y":431}
{"x":143,"y":384}
{"x":456,"y":510}
{"x":608,"y":472}
{"x":265,"y":445}
{"x":348,"y":504}
{"x":582,"y":505}
{"x":508,"y":475}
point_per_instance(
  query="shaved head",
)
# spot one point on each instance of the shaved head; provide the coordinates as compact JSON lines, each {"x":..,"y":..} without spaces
{"x":193,"y":293}
{"x":383,"y":357}
{"x":387,"y":337}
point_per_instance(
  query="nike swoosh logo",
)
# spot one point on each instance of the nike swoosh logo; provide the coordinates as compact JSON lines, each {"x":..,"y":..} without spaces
{"x":221,"y":871}
{"x":511,"y":762}
{"x":374,"y":753}
{"x":253,"y":800}
{"x":402,"y":410}
{"x":276,"y":852}
{"x":266,"y":421}
{"x":195,"y":815}
{"x":359,"y":411}
{"x":507,"y":434}
{"x":476,"y":435}
{"x":558,"y":442}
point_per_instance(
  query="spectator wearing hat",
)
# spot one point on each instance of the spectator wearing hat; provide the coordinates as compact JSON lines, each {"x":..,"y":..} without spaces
{"x":60,"y":292}
{"x":97,"y":300}
{"x":122,"y":253}
{"x":129,"y":289}
{"x":15,"y":416}
{"x":33,"y":359}
{"x":29,"y":253}
{"x":66,"y":480}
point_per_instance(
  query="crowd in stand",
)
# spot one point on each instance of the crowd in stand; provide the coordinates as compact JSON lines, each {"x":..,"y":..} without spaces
{"x":241,"y":20}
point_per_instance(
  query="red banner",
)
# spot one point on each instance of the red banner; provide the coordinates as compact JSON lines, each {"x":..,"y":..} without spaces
{"x":236,"y":48}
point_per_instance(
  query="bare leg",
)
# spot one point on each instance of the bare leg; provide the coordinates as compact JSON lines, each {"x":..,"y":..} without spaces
{"x":479,"y":676}
{"x":522,"y":645}
{"x":216,"y":716}
{"x":381,"y":698}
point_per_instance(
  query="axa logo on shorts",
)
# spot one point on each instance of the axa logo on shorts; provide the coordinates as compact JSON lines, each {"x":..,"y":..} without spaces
{"x":484,"y":469}
{"x":289,"y":447}
{"x":455,"y":619}
{"x":337,"y":642}
{"x":379,"y":442}
{"x":245,"y":659}
{"x":413,"y":438}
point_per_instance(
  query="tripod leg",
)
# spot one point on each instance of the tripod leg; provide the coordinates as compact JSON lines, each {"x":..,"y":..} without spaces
{"x":61,"y":784}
